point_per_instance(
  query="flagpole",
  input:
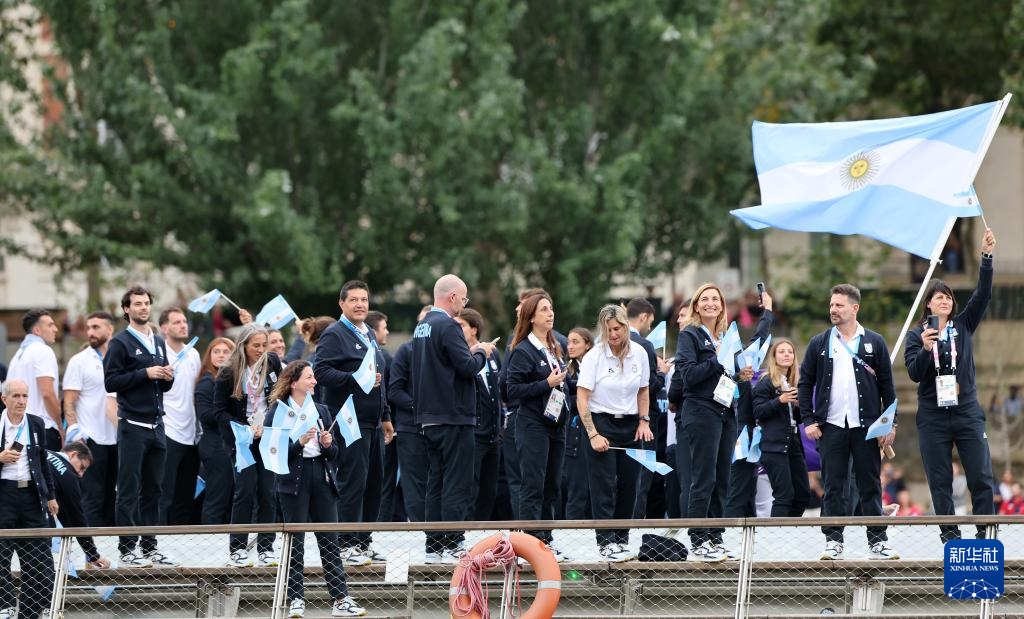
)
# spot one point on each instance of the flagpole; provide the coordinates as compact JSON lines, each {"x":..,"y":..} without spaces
{"x":225,"y":297}
{"x":939,"y":244}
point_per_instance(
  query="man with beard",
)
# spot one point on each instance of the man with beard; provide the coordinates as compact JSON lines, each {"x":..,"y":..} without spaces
{"x":92,"y":417}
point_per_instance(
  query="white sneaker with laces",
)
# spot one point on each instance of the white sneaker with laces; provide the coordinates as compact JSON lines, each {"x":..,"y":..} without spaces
{"x":239,"y":558}
{"x":375,"y":557}
{"x":347,"y":607}
{"x":625,"y":553}
{"x":267,"y":559}
{"x":354,"y":556}
{"x":560,"y":557}
{"x":728,"y":552}
{"x":131,"y":559}
{"x":450,"y":556}
{"x":833,"y":551}
{"x":432,"y":558}
{"x":297,"y":609}
{"x":159,"y":558}
{"x":882,"y":550}
{"x":612,"y":553}
{"x":707,"y":553}
{"x":8,"y":613}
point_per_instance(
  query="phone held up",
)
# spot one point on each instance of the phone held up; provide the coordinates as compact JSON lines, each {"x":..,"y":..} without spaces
{"x":933,"y":322}
{"x":760,"y":293}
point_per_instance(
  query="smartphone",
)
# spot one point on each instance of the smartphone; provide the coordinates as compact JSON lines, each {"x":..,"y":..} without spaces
{"x":933,"y":322}
{"x":16,"y":446}
{"x":760,"y":293}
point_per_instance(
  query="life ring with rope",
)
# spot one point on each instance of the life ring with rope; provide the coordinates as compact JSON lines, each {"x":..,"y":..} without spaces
{"x":467,"y":600}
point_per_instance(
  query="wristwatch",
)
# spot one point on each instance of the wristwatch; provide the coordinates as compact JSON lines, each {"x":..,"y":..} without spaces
{"x":646,"y":418}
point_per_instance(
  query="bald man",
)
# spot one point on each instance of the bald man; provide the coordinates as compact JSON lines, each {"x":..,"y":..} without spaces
{"x":443,"y":369}
{"x":26,"y":495}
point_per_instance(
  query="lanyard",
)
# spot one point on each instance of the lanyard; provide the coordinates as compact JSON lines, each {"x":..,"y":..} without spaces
{"x":30,"y":339}
{"x":952,"y":350}
{"x":98,"y":354}
{"x":147,"y":343}
{"x":867,"y":368}
{"x":21,"y":430}
{"x":371,"y":344}
{"x":552,"y":360}
{"x":714,"y":340}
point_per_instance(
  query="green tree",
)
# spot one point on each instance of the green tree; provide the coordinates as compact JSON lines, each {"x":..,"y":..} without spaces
{"x":283,"y":146}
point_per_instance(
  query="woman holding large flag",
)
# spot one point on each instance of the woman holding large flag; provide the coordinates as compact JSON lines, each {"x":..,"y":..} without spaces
{"x":941,"y":361}
{"x":613,"y":399}
{"x":308,"y":491}
{"x":708,"y":418}
{"x":240,"y":395}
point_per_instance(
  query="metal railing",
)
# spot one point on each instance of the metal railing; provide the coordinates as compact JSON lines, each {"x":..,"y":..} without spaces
{"x":777,"y":571}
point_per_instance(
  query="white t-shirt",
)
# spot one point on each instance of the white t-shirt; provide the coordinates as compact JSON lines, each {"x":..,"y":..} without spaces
{"x":614,"y":386}
{"x":844,"y":401}
{"x":179,"y":402}
{"x":36,"y":360}
{"x":19,"y":471}
{"x":84,"y":374}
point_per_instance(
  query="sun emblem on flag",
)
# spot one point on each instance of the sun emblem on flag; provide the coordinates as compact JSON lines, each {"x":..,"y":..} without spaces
{"x":273,"y":450}
{"x":884,"y":420}
{"x":860,"y":169}
{"x":348,"y":420}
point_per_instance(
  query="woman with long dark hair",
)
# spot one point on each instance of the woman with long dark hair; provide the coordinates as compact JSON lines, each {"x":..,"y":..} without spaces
{"x":940,"y":358}
{"x":240,"y":394}
{"x":576,"y":482}
{"x":535,"y":371}
{"x":309,"y":493}
{"x":216,"y":465}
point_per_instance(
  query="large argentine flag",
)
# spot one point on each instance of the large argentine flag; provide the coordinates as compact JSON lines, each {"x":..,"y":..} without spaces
{"x":898,"y":180}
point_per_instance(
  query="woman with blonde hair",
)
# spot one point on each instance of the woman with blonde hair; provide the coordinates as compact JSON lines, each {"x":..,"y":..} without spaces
{"x":216,"y":466}
{"x":241,"y":394}
{"x":612,"y":396}
{"x":708,"y":415}
{"x":778,"y":413}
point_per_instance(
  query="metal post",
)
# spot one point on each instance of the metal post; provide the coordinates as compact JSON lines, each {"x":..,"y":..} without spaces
{"x":743,"y":584}
{"x":281,"y":583}
{"x":987,"y":606}
{"x":60,"y":579}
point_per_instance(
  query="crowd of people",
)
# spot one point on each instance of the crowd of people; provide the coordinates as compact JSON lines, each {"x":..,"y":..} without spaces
{"x":449,"y":429}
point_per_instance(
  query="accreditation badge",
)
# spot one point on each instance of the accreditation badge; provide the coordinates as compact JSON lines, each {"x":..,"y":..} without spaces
{"x":946,"y":390}
{"x":556,"y":402}
{"x":725,"y":391}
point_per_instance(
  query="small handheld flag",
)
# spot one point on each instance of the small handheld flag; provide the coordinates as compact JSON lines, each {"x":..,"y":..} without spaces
{"x":649,"y":459}
{"x":184,"y":351}
{"x":657,"y":335}
{"x":276,"y":313}
{"x":750,"y":354}
{"x":366,"y":375}
{"x":200,"y":486}
{"x":348,"y":424}
{"x":306,"y":418}
{"x":742,"y":448}
{"x":727,"y":349}
{"x":274,"y":449}
{"x":74,"y":433}
{"x":243,"y":441}
{"x":763,"y":353}
{"x":754,"y":453}
{"x":205,"y":302}
{"x":883,"y":425}
{"x":285,"y":416}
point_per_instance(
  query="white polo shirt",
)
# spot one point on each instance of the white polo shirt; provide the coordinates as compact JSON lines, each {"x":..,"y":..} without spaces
{"x":35,"y":359}
{"x":179,"y":402}
{"x":843,"y":401}
{"x":614,"y":386}
{"x":84,"y":374}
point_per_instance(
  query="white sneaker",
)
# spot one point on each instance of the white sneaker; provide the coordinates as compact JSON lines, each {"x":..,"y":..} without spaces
{"x":728,"y":552}
{"x":131,"y":559}
{"x":833,"y":551}
{"x":297,"y":609}
{"x":614,"y":553}
{"x":707,"y":553}
{"x":353,"y":556}
{"x":239,"y":558}
{"x":375,"y":557}
{"x":560,"y":557}
{"x":158,"y":558}
{"x":347,"y":607}
{"x":432,"y":558}
{"x":267,"y":559}
{"x":882,"y":550}
{"x":625,"y":552}
{"x":450,"y":556}
{"x":8,"y":613}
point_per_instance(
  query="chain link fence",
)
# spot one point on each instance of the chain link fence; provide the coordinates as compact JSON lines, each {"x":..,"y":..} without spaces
{"x":777,"y":572}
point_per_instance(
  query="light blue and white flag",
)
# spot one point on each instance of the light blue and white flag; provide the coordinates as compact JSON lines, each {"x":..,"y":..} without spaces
{"x":727,"y":349}
{"x":898,"y":180}
{"x":184,"y":351}
{"x":285,"y":415}
{"x":883,"y":425}
{"x":306,"y":418}
{"x":74,"y":433}
{"x":243,"y":442}
{"x":276,"y":313}
{"x":754,"y":452}
{"x":106,"y":592}
{"x":763,"y":353}
{"x":348,"y":423}
{"x":366,"y":375}
{"x":204,"y":303}
{"x":649,"y":459}
{"x":657,"y":335}
{"x":274,"y":449}
{"x":742,"y":448}
{"x":200,"y":486}
{"x":750,"y":354}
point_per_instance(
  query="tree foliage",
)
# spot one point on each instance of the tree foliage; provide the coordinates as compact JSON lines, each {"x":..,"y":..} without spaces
{"x":287,"y":145}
